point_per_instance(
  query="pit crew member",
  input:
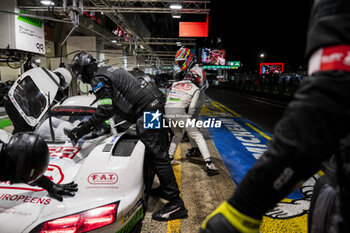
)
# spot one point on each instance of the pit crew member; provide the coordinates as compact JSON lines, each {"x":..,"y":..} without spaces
{"x":184,"y":95}
{"x":24,"y":159}
{"x":119,"y":93}
{"x":308,"y":133}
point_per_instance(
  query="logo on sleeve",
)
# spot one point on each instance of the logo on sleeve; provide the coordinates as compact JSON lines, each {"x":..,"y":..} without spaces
{"x":98,"y":87}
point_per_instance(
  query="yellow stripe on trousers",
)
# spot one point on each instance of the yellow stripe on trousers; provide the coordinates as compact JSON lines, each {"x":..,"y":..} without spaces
{"x":174,"y":226}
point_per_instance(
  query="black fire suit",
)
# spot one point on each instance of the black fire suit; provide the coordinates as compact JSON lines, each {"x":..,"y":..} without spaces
{"x":312,"y":125}
{"x":120,"y":93}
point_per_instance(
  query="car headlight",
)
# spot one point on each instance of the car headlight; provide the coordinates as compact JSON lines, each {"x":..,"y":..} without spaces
{"x":84,"y":221}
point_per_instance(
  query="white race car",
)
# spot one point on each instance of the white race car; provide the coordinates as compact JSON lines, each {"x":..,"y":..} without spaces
{"x":109,"y":168}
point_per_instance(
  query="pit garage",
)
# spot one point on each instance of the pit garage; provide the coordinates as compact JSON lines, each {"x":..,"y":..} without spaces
{"x":40,"y":38}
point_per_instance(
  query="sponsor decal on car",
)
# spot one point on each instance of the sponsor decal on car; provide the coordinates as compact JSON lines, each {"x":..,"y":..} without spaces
{"x":103,"y":178}
{"x":25,"y":199}
{"x":63,"y":151}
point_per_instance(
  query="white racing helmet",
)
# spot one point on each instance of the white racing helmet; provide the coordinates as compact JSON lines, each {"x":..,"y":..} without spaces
{"x":64,"y":76}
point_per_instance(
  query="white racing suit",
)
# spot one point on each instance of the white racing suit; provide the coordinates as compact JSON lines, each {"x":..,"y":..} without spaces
{"x":200,"y":103}
{"x":184,"y":94}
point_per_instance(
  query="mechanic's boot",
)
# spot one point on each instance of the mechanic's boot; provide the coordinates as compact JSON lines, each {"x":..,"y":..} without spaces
{"x":211,"y":169}
{"x":157,"y":192}
{"x":172,"y":210}
{"x":193,"y":152}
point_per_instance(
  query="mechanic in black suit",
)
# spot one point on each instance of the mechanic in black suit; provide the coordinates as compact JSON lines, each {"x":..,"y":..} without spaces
{"x":308,"y":134}
{"x":120,"y":93}
{"x":24,"y":159}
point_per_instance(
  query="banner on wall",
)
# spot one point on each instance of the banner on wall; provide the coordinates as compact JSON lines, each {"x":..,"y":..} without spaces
{"x":29,"y":34}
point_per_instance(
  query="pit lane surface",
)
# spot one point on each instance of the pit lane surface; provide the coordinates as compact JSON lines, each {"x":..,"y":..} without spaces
{"x":247,"y":127}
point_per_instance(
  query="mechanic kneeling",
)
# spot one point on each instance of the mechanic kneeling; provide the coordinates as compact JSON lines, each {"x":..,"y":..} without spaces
{"x":120,"y":93}
{"x":24,"y":159}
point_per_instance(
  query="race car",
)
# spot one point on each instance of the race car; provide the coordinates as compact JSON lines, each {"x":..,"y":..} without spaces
{"x":108,"y":166}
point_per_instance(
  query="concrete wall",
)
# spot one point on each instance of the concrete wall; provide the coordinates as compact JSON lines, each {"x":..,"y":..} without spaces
{"x":6,"y":73}
{"x":81,"y":43}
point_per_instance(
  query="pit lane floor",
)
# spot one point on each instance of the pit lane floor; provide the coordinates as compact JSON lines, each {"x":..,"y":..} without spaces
{"x":234,"y":147}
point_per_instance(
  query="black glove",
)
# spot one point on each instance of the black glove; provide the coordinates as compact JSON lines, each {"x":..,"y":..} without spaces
{"x":58,"y":190}
{"x":228,"y":219}
{"x":78,"y":132}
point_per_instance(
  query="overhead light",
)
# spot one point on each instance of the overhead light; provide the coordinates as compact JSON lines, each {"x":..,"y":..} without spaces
{"x":114,"y":41}
{"x":176,"y":7}
{"x":47,"y":2}
{"x":177,"y":16}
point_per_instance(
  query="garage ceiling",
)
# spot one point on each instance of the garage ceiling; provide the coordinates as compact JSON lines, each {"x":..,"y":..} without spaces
{"x":149,"y":23}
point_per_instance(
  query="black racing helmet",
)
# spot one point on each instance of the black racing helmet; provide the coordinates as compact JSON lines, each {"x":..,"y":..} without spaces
{"x":29,"y":156}
{"x":84,"y":66}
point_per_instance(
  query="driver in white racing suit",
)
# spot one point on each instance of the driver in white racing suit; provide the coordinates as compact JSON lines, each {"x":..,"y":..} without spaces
{"x":185,"y":94}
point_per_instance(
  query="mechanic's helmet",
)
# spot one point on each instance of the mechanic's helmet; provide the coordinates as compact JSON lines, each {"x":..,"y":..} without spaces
{"x":84,"y":66}
{"x":183,"y":58}
{"x":29,"y":156}
{"x":145,"y":81}
{"x":64,"y":76}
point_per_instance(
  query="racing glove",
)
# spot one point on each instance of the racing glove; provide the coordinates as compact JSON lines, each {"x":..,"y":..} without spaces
{"x":228,"y":219}
{"x":57,"y":191}
{"x":78,"y":132}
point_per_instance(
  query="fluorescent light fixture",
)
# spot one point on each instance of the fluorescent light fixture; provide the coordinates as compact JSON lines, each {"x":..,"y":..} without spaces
{"x":114,"y":41}
{"x":176,"y":7}
{"x":47,"y":2}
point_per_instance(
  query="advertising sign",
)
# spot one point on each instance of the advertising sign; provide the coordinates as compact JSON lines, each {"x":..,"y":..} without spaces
{"x":29,"y":34}
{"x":271,"y":68}
{"x":213,"y":56}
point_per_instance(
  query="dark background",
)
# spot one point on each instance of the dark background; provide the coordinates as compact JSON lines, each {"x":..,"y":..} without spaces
{"x":248,"y":28}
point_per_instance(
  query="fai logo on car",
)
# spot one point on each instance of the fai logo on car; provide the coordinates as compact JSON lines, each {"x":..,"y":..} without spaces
{"x":100,"y":178}
{"x":152,"y":120}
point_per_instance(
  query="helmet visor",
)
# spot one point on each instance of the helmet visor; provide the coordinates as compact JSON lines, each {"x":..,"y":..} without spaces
{"x":180,"y":64}
{"x":75,"y":69}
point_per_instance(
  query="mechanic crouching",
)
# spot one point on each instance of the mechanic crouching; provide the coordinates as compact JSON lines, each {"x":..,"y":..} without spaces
{"x":118,"y":92}
{"x":24,"y":159}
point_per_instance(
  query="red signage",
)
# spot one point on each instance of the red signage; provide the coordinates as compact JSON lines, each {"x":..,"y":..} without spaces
{"x":194,"y":29}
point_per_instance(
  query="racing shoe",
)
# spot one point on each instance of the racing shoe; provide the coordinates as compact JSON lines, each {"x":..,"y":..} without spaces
{"x":172,"y":210}
{"x":193,"y":152}
{"x":211,"y":169}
